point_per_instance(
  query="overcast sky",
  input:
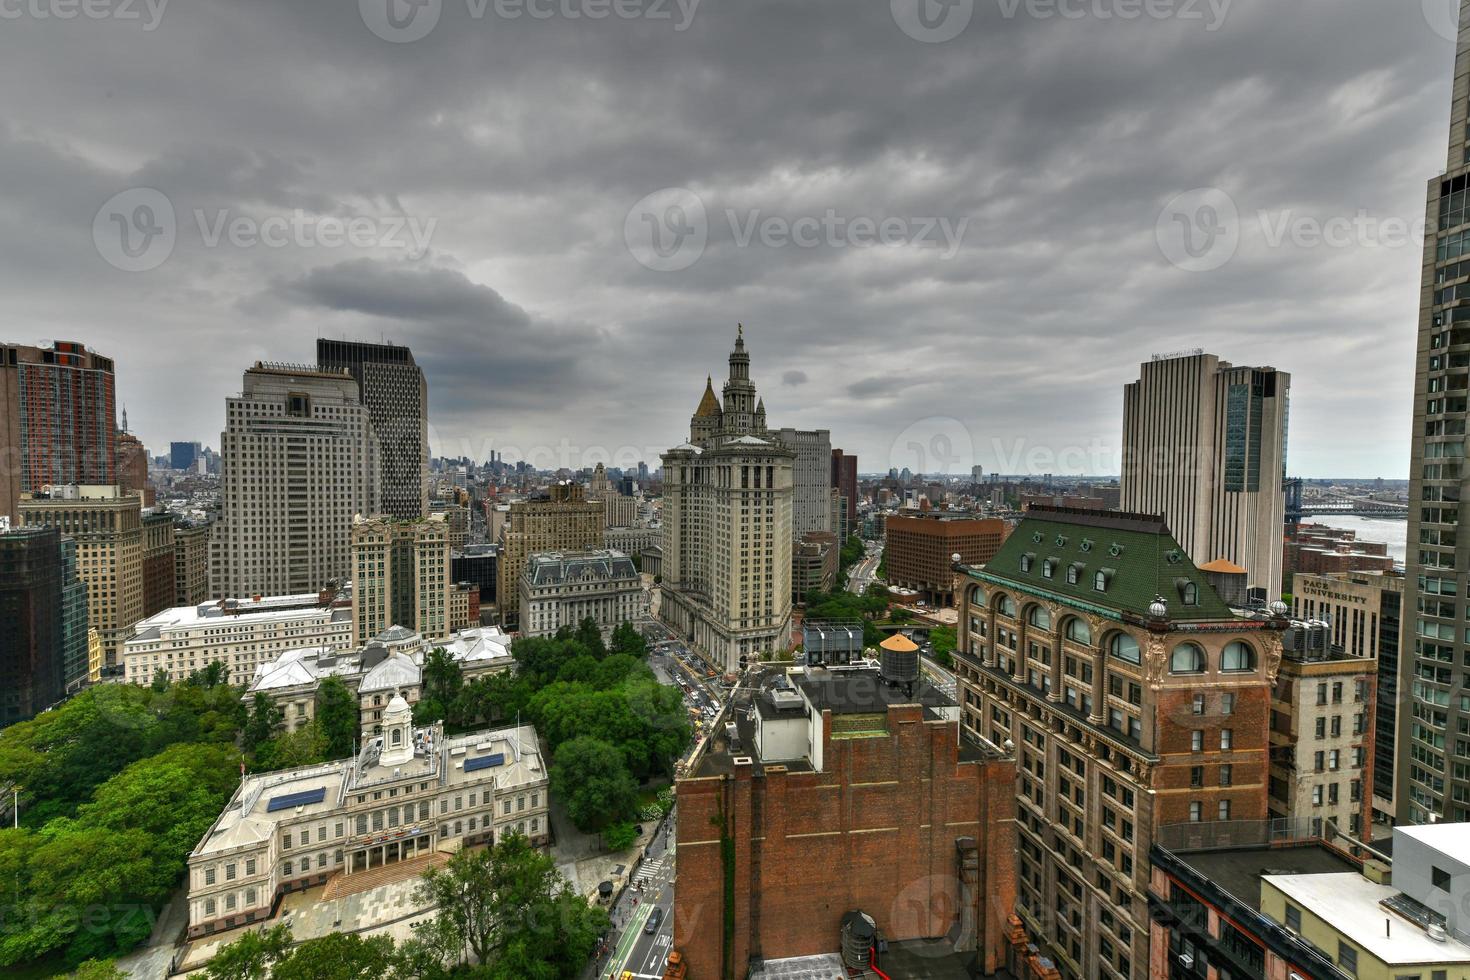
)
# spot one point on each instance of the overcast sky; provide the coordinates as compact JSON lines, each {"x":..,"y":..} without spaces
{"x":565,"y":216}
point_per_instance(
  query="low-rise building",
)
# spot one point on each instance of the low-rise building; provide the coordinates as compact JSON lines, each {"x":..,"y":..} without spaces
{"x":242,"y":634}
{"x":829,"y":793}
{"x":409,"y":793}
{"x":814,"y":561}
{"x":564,"y":589}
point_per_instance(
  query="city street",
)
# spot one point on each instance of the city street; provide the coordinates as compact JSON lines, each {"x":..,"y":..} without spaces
{"x":864,"y":572}
{"x":638,"y":951}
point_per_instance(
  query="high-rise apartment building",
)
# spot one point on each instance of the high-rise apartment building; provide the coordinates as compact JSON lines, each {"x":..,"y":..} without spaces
{"x":811,"y":481}
{"x":1135,"y":699}
{"x":58,"y":420}
{"x":400,"y":576}
{"x":844,"y":478}
{"x":727,"y":526}
{"x":299,"y":461}
{"x":159,"y":562}
{"x":108,"y":527}
{"x":396,"y":395}
{"x":1204,"y":445}
{"x":1433,"y":761}
{"x":43,"y":646}
{"x":562,"y":520}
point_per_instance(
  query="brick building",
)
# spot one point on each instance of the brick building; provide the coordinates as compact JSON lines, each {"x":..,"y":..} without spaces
{"x":830,"y":792}
{"x":1136,"y":699}
{"x":160,"y":562}
{"x":1315,"y":549}
{"x":919,"y":550}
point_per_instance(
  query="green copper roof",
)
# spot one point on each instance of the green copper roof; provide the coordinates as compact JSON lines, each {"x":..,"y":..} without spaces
{"x":1138,"y":555}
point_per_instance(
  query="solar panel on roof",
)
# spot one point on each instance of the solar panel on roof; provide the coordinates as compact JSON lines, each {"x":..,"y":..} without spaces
{"x":485,"y":762}
{"x":292,"y":800}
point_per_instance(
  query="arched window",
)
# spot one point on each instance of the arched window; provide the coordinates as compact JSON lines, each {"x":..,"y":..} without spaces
{"x":397,"y":736}
{"x":1100,"y":581}
{"x":1125,"y":648}
{"x":1074,"y":573}
{"x":1187,"y":659}
{"x":1006,"y":606}
{"x":1026,"y":563}
{"x":1038,"y":616}
{"x":1237,"y":656}
{"x":1078,"y":631}
{"x":1189,"y":592}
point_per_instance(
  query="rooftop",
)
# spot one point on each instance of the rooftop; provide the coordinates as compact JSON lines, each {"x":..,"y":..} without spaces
{"x":1350,"y":903}
{"x":1241,"y":870}
{"x":1450,"y":839}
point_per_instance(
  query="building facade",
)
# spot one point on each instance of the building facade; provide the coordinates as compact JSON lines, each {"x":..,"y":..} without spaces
{"x":409,"y":793}
{"x":241,"y":634}
{"x":918,"y":551}
{"x":1433,"y":765}
{"x":299,"y":460}
{"x":400,"y":576}
{"x":727,"y":526}
{"x":160,"y":561}
{"x":563,"y":589}
{"x":396,"y":395}
{"x":814,"y":561}
{"x":58,"y":420}
{"x":43,"y":645}
{"x":811,"y":479}
{"x":107,"y":525}
{"x":191,"y":563}
{"x":1363,"y":613}
{"x":621,"y":511}
{"x":1134,"y":699}
{"x":563,"y":520}
{"x":1204,"y":445}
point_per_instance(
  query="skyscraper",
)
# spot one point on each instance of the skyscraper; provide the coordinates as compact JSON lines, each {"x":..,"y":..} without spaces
{"x":727,"y":496}
{"x":844,"y":479}
{"x":1432,"y":781}
{"x":392,"y":388}
{"x":561,"y":520}
{"x":43,"y":647}
{"x":400,"y":577}
{"x":58,"y":421}
{"x":1204,"y":445}
{"x":181,"y":455}
{"x":299,"y":461}
{"x":811,"y":494}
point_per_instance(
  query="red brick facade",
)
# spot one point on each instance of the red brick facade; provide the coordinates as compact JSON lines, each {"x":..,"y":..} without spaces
{"x":876,"y":831}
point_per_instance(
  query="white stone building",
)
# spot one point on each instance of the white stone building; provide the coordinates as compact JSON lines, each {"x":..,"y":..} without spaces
{"x":408,"y":794}
{"x":564,"y":589}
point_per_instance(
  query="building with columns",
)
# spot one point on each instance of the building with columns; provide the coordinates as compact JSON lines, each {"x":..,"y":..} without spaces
{"x":727,"y":513}
{"x":564,"y":589}
{"x":1135,"y":699}
{"x":409,"y":793}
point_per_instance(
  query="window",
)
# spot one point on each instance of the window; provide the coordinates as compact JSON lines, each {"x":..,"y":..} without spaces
{"x":1293,"y":918}
{"x":1226,"y":737}
{"x":1199,"y":704}
{"x":209,"y":876}
{"x":1039,"y":617}
{"x":1026,"y":563}
{"x":1226,"y":775}
{"x":1196,"y":811}
{"x":1197,"y":740}
{"x":1100,"y":581}
{"x":1197,"y":776}
{"x":1227,"y":704}
{"x":1074,"y":572}
{"x":1187,"y":659}
{"x":1078,"y":631}
{"x":1440,"y":878}
{"x":1224,"y":809}
{"x":1237,"y":657}
{"x":1125,"y":648}
{"x":1347,"y":957}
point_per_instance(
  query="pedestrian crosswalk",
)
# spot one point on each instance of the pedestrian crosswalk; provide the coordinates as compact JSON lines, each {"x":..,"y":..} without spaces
{"x":649,"y":871}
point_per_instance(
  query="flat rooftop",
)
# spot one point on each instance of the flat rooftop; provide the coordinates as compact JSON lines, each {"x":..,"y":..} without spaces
{"x":1450,"y":839}
{"x":1350,"y":903}
{"x":921,"y":959}
{"x":1240,"y":870}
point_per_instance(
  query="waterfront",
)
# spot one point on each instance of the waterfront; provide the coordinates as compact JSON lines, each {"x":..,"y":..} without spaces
{"x":1392,"y":531}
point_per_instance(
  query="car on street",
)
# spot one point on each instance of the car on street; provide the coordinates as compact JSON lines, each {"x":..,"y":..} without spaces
{"x":655,"y":919}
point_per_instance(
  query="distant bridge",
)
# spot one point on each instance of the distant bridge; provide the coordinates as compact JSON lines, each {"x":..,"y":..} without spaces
{"x":1356,"y":508}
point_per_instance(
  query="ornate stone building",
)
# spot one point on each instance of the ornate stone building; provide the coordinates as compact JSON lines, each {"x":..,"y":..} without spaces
{"x":1135,"y":700}
{"x":727,"y":498}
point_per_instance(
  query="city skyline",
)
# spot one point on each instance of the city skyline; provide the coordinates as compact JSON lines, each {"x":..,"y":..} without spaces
{"x":528,"y":285}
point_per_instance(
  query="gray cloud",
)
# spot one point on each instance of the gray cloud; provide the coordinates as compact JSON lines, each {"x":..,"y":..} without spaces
{"x":1059,"y":140}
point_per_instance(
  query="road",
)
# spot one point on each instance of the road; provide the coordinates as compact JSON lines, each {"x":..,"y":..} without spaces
{"x":639,"y":951}
{"x":862,"y":574}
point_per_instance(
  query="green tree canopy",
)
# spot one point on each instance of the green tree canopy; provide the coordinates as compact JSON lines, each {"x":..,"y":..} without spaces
{"x":337,"y":714}
{"x":591,"y":779}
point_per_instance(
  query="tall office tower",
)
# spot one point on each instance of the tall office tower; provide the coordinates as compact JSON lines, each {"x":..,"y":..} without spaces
{"x":844,"y":478}
{"x":58,"y":421}
{"x":108,"y":527}
{"x":299,"y":461}
{"x":621,"y":510}
{"x":181,"y":455}
{"x":191,"y":563}
{"x":561,"y":520}
{"x":1432,"y":779}
{"x":159,"y":562}
{"x":727,"y":526}
{"x":1139,"y":708}
{"x":43,"y":647}
{"x":1204,"y":444}
{"x":393,"y":389}
{"x":811,"y":491}
{"x":400,"y":576}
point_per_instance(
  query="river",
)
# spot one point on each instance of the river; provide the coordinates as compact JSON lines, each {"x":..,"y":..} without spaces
{"x":1394,"y":532}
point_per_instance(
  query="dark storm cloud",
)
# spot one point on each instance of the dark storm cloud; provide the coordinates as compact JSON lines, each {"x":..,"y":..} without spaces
{"x":525,"y":143}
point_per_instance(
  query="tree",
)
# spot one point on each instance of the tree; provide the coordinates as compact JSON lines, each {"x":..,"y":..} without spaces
{"x":338,"y":956}
{"x":160,"y":681}
{"x":620,"y":836}
{"x":337,"y":714}
{"x":251,"y":956}
{"x":510,"y":908}
{"x":591,"y":779}
{"x":215,"y":674}
{"x":589,"y":635}
{"x":98,"y":970}
{"x":306,"y":746}
{"x":265,"y":718}
{"x":627,"y":640}
{"x":944,"y":640}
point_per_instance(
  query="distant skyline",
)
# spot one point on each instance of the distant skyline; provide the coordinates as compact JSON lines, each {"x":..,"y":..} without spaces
{"x":567,"y":252}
